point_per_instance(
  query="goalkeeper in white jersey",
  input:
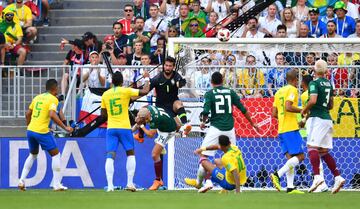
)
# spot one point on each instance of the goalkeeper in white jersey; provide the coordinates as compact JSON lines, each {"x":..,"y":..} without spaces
{"x":218,"y":102}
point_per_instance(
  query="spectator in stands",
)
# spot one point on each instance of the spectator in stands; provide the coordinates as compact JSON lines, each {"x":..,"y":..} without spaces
{"x":281,"y":31}
{"x":251,"y":29}
{"x":157,"y":57}
{"x":201,"y":78}
{"x":345,"y":24}
{"x":91,"y":43}
{"x":276,"y":77}
{"x":76,"y":56}
{"x":269,"y":23}
{"x":348,"y":58}
{"x":141,"y":9}
{"x":94,"y":77}
{"x":301,"y":11}
{"x":127,"y":21}
{"x":230,"y":74}
{"x":194,"y":29}
{"x":121,"y":40}
{"x":357,"y":30}
{"x":140,"y":34}
{"x":172,"y":32}
{"x":222,"y":7}
{"x":33,"y":5}
{"x":177,"y":22}
{"x":170,"y":9}
{"x":316,"y":27}
{"x":197,"y":12}
{"x":23,"y":16}
{"x":310,"y":59}
{"x":337,"y":76}
{"x":292,"y":24}
{"x":352,"y":9}
{"x":251,"y":80}
{"x":156,"y":26}
{"x":330,"y":14}
{"x":13,"y":36}
{"x":244,"y":5}
{"x":108,"y":48}
{"x":134,"y":59}
{"x":331,"y":30}
{"x":210,"y":30}
{"x":304,"y":31}
{"x":234,"y":15}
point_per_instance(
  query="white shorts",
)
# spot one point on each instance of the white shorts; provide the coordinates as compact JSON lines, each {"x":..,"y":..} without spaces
{"x":319,"y":132}
{"x":163,"y":138}
{"x":212,"y":138}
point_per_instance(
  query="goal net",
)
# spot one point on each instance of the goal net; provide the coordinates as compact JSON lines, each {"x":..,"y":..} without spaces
{"x":255,"y":69}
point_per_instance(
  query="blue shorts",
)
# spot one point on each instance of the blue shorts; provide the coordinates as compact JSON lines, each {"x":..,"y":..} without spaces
{"x":115,"y":135}
{"x":218,"y":176}
{"x":291,"y":142}
{"x":47,"y":141}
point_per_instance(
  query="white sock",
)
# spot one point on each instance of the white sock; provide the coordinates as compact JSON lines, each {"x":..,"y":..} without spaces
{"x":200,"y":174}
{"x":291,"y":163}
{"x":109,"y":170}
{"x":290,"y":175}
{"x":27,"y":166}
{"x":130,"y":169}
{"x":321,"y":169}
{"x":55,"y":164}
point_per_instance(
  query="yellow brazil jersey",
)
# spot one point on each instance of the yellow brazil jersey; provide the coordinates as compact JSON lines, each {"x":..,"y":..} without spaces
{"x":304,"y":98}
{"x":251,"y":80}
{"x":12,"y":33}
{"x":40,"y":117}
{"x":232,"y":160}
{"x":22,"y":14}
{"x":287,"y":121}
{"x":116,"y":102}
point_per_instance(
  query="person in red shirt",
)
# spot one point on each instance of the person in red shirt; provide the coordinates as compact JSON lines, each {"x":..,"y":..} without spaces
{"x":337,"y":76}
{"x":210,"y":30}
{"x":127,"y":22}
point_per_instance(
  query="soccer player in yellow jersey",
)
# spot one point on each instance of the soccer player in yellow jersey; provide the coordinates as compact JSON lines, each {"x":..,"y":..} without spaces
{"x":114,"y":107}
{"x":229,"y":171}
{"x":285,"y":108}
{"x":42,"y":109}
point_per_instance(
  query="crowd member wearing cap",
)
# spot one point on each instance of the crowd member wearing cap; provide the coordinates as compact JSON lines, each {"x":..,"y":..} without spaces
{"x":127,"y":22}
{"x":345,"y":25}
{"x":75,"y":56}
{"x":316,"y":27}
{"x":90,"y":42}
{"x":121,"y":40}
{"x":108,"y":48}
{"x":93,"y":75}
{"x":13,"y":37}
{"x":23,"y":16}
{"x":140,"y":34}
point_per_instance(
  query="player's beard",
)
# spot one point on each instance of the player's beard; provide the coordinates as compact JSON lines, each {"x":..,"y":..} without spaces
{"x":168,"y":72}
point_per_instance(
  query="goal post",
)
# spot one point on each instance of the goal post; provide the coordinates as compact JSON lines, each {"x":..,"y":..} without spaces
{"x":261,"y":150}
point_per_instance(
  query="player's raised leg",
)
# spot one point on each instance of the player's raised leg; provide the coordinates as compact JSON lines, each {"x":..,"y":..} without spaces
{"x":181,"y":114}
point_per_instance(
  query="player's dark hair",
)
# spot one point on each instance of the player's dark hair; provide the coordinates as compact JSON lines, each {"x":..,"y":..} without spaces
{"x":170,"y":59}
{"x":291,"y":75}
{"x":51,"y":84}
{"x":117,"y":79}
{"x":307,"y":79}
{"x":216,"y":78}
{"x":224,"y":140}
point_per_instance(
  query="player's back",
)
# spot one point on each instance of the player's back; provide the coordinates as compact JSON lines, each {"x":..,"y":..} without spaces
{"x":287,"y":121}
{"x":116,"y":101}
{"x":161,"y":120}
{"x":324,"y":91}
{"x":40,"y":117}
{"x":233,"y":159}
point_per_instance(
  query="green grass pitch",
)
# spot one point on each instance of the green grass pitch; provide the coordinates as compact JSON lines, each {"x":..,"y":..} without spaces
{"x":98,"y":199}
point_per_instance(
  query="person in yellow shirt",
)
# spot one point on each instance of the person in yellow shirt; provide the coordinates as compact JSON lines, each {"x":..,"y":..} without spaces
{"x":41,"y":110}
{"x":23,"y":16}
{"x":285,"y":109}
{"x":229,"y":171}
{"x":115,"y":108}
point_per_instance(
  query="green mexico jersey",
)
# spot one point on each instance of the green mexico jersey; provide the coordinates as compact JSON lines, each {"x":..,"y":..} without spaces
{"x":218,"y":103}
{"x":324,"y":91}
{"x":161,"y":120}
{"x":146,"y":48}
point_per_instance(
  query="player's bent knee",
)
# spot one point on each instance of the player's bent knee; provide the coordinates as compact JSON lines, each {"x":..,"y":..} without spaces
{"x":110,"y":155}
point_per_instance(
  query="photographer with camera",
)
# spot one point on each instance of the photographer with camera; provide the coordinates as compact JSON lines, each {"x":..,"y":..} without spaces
{"x":109,"y":49}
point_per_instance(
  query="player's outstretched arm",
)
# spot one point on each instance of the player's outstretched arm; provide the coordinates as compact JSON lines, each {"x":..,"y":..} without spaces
{"x":211,"y":147}
{"x":58,"y":122}
{"x":235,"y":173}
{"x":28,"y":116}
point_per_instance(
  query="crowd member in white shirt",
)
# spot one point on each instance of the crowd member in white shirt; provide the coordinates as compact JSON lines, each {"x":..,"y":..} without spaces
{"x":244,"y":5}
{"x":331,"y":30}
{"x":170,"y":9}
{"x":251,"y":29}
{"x":292,"y":24}
{"x":156,"y":26}
{"x":222,"y":7}
{"x":352,"y":9}
{"x":269,"y":23}
{"x":357,"y":30}
{"x":93,"y":74}
{"x":301,"y":11}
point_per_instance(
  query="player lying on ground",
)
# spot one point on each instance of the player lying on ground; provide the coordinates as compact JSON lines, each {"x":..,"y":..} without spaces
{"x":219,"y":103}
{"x":43,"y":108}
{"x":285,"y":109}
{"x":319,"y":127}
{"x":114,"y":108}
{"x":165,"y":126}
{"x":229,"y":171}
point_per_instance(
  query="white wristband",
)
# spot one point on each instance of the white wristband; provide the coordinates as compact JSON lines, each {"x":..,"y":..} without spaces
{"x":142,"y":126}
{"x":146,"y":79}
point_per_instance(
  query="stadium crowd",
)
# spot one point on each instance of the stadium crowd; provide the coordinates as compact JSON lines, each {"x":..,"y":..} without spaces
{"x":140,"y":38}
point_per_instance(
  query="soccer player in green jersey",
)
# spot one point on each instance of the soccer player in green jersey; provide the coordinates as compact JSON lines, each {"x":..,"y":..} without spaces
{"x":162,"y":123}
{"x":319,"y":127}
{"x":219,"y":103}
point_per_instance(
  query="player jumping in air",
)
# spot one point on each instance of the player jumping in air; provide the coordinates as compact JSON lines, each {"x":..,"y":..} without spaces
{"x":319,"y":127}
{"x":218,"y":102}
{"x":114,"y":107}
{"x":41,"y":110}
{"x":285,"y":109}
{"x":229,"y":171}
{"x":167,"y":84}
{"x":165,"y":126}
